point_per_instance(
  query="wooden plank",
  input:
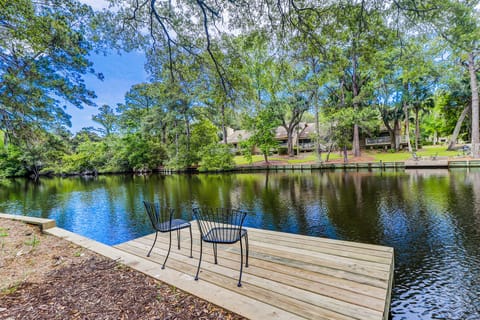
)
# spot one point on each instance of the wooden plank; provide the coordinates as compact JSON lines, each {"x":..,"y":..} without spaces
{"x":329,"y":280}
{"x":388,"y":297}
{"x":302,"y":302}
{"x":360,"y":253}
{"x":303,"y":238}
{"x":303,"y":258}
{"x":233,"y":301}
{"x":351,"y":292}
{"x":341,"y":279}
{"x":42,"y":222}
{"x":319,"y":247}
{"x":309,"y":261}
{"x":349,"y":264}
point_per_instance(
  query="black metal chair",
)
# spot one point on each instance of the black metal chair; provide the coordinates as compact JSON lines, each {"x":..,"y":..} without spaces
{"x":221,"y":226}
{"x":162,"y":221}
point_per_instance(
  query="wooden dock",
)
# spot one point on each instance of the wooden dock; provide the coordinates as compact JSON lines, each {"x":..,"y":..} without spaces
{"x":289,"y":276}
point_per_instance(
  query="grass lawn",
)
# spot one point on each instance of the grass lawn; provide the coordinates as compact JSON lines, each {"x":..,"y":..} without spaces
{"x":377,"y":155}
{"x":427,"y":151}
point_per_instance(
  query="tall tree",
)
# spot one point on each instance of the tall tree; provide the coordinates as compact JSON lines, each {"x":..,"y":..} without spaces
{"x":362,"y":36}
{"x":458,"y":23}
{"x":43,"y":55}
{"x":107,"y":119}
{"x":262,"y":127}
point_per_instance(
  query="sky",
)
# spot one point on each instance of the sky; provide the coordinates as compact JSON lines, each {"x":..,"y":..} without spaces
{"x":120,"y":72}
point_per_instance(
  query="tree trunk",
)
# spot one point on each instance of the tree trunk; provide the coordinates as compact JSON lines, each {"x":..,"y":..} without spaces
{"x":290,"y":140}
{"x":355,"y":89}
{"x":318,"y":149}
{"x":390,"y":131}
{"x":224,"y":126}
{"x":291,"y":151}
{"x":356,"y":141}
{"x":298,"y":137}
{"x":176,"y":138}
{"x":187,"y":131}
{"x":5,"y":140}
{"x":458,"y":126}
{"x":475,"y":107}
{"x":407,"y":126}
{"x":164,"y":134}
{"x":330,"y":147}
{"x":417,"y":127}
{"x":396,"y":130}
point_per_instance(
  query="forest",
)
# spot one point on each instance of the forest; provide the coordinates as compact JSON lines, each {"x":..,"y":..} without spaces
{"x":355,"y":66}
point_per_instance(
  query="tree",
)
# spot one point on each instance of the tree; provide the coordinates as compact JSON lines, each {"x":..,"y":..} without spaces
{"x":457,"y":22}
{"x":107,"y":119}
{"x":204,"y":135}
{"x":262,"y":126}
{"x":216,"y":157}
{"x":290,"y":111}
{"x":41,"y":152}
{"x":43,"y":56}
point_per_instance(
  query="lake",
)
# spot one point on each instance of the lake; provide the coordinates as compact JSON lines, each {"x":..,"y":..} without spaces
{"x":430,"y":217}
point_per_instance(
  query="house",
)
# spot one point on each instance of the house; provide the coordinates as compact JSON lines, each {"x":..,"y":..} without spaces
{"x":234,"y":137}
{"x":303,"y":137}
{"x":384,"y":140}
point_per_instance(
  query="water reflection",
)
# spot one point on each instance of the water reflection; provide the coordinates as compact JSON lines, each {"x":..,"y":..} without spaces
{"x":430,"y":217}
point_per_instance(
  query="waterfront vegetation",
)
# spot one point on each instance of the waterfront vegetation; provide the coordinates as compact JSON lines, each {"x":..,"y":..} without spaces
{"x":355,"y":69}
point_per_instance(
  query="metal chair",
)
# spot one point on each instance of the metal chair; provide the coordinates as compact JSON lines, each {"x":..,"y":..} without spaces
{"x":221,"y":226}
{"x":162,"y":221}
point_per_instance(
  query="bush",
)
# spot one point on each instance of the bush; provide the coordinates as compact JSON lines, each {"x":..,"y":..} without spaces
{"x":11,"y":162}
{"x":282,"y":151}
{"x":216,"y":156}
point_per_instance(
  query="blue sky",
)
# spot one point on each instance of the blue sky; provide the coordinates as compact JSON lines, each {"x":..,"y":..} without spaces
{"x":121,"y":72}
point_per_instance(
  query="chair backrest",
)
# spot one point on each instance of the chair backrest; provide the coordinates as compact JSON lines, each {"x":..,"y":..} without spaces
{"x":227,"y":219}
{"x":158,"y":215}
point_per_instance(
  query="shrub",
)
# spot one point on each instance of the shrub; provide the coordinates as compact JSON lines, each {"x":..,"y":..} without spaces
{"x":216,"y":156}
{"x":11,"y":162}
{"x":282,"y":151}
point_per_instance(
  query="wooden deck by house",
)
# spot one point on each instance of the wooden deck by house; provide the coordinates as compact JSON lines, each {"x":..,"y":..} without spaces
{"x":289,"y":277}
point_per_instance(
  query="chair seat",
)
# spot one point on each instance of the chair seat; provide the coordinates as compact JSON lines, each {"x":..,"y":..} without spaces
{"x":176,"y":225}
{"x":224,"y":235}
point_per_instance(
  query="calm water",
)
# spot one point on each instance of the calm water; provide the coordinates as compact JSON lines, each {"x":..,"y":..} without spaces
{"x":431,"y":218}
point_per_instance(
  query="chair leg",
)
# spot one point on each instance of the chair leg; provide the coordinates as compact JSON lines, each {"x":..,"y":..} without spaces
{"x":168,"y":253}
{"x":246,"y":242}
{"x":215,"y":252}
{"x":156,"y":234}
{"x":241,"y":264}
{"x":200,"y":259}
{"x":178,"y":238}
{"x":191,"y":241}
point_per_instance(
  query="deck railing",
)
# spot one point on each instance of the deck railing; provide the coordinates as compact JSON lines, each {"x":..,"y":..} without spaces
{"x":383,"y":141}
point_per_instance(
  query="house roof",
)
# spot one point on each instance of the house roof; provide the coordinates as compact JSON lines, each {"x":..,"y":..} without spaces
{"x":307,"y":131}
{"x":238,"y":136}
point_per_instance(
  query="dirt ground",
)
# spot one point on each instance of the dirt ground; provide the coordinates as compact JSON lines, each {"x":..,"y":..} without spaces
{"x":44,"y":277}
